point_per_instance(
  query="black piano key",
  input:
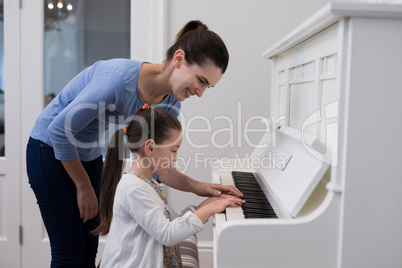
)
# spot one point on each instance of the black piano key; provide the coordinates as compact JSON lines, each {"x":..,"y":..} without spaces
{"x":254,"y":216}
{"x":257,"y":205}
{"x":255,"y":196}
{"x":244,"y":173}
{"x":257,"y":211}
{"x":260,"y":201}
{"x":263,"y":207}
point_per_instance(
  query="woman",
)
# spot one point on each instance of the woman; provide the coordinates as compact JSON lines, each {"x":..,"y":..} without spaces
{"x":64,"y":162}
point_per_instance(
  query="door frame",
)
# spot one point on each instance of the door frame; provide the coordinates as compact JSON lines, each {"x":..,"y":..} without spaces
{"x":10,"y":191}
{"x":32,"y":101}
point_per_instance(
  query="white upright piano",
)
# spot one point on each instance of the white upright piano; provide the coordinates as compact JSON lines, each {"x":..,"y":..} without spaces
{"x":333,"y":197}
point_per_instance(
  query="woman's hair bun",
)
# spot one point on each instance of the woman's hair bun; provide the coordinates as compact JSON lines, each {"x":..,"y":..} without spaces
{"x":200,"y":45}
{"x":191,"y":25}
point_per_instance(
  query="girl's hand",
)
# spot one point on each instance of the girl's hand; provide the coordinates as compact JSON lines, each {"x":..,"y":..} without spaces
{"x":219,"y":205}
{"x":215,"y":205}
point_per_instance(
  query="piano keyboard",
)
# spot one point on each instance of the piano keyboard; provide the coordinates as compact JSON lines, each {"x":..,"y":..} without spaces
{"x":257,"y":204}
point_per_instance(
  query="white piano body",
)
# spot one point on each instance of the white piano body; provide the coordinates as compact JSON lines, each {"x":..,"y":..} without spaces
{"x":336,"y":93}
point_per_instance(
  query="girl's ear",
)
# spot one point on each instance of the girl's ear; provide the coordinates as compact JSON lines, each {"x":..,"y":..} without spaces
{"x":178,"y":58}
{"x":149,"y":147}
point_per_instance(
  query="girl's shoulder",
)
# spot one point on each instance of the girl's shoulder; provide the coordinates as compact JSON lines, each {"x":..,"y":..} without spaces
{"x":128,"y":179}
{"x":132,"y":188}
{"x":130,"y":182}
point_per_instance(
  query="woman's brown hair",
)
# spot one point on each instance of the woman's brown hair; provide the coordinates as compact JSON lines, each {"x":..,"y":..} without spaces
{"x":149,"y":123}
{"x":200,"y":45}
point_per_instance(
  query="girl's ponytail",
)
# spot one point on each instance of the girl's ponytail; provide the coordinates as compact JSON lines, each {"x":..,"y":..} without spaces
{"x":112,"y":171}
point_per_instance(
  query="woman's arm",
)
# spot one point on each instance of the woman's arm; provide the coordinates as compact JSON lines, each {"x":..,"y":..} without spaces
{"x":86,"y":198}
{"x":86,"y":106}
{"x":179,"y":181}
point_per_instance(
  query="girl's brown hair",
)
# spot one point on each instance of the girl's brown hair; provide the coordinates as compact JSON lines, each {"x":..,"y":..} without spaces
{"x":150,"y":123}
{"x":200,"y":45}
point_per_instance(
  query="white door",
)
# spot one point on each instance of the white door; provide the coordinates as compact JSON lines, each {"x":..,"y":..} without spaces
{"x":52,"y":54}
{"x":9,"y":134}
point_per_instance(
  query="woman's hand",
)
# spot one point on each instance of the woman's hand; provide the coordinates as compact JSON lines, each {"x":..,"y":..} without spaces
{"x":179,"y":181}
{"x":214,"y":189}
{"x":87,"y":203}
{"x":86,"y":198}
{"x":237,"y":201}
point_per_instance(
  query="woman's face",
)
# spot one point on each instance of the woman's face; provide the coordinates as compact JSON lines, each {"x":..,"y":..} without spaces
{"x":188,"y":80}
{"x":164,"y":155}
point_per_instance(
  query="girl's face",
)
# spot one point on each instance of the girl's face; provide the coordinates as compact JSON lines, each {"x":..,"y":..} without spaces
{"x":164,"y":155}
{"x":188,"y":80}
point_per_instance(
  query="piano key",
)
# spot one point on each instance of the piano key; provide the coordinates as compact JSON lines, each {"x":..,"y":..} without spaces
{"x":257,"y":205}
{"x":234,"y":213}
{"x":263,"y":206}
{"x":226,"y":179}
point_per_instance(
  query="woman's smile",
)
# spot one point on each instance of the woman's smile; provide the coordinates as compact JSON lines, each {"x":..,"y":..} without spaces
{"x":188,"y":93}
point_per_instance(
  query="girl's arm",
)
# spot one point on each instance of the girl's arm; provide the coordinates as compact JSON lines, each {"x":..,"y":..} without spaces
{"x":147,"y":209}
{"x":86,"y":198}
{"x":179,"y":181}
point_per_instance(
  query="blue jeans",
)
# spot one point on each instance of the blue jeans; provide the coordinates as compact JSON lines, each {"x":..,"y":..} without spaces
{"x":72,"y":244}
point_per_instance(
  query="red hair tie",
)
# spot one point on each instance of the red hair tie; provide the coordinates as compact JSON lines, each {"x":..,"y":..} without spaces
{"x":146,"y":106}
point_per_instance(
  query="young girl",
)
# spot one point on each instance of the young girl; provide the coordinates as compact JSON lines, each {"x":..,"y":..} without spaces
{"x":142,"y":229}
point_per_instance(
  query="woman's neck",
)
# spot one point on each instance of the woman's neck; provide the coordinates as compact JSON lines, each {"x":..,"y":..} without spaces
{"x":153,"y":83}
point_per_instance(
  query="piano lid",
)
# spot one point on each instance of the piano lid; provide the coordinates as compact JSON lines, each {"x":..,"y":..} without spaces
{"x":287,"y":166}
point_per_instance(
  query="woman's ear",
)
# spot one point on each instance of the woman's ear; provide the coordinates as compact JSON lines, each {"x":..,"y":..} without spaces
{"x":178,"y":58}
{"x":149,"y":147}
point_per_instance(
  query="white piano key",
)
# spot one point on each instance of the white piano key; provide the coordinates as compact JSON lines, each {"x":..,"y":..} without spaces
{"x":234,"y":213}
{"x":226,"y":178}
{"x":216,"y":179}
